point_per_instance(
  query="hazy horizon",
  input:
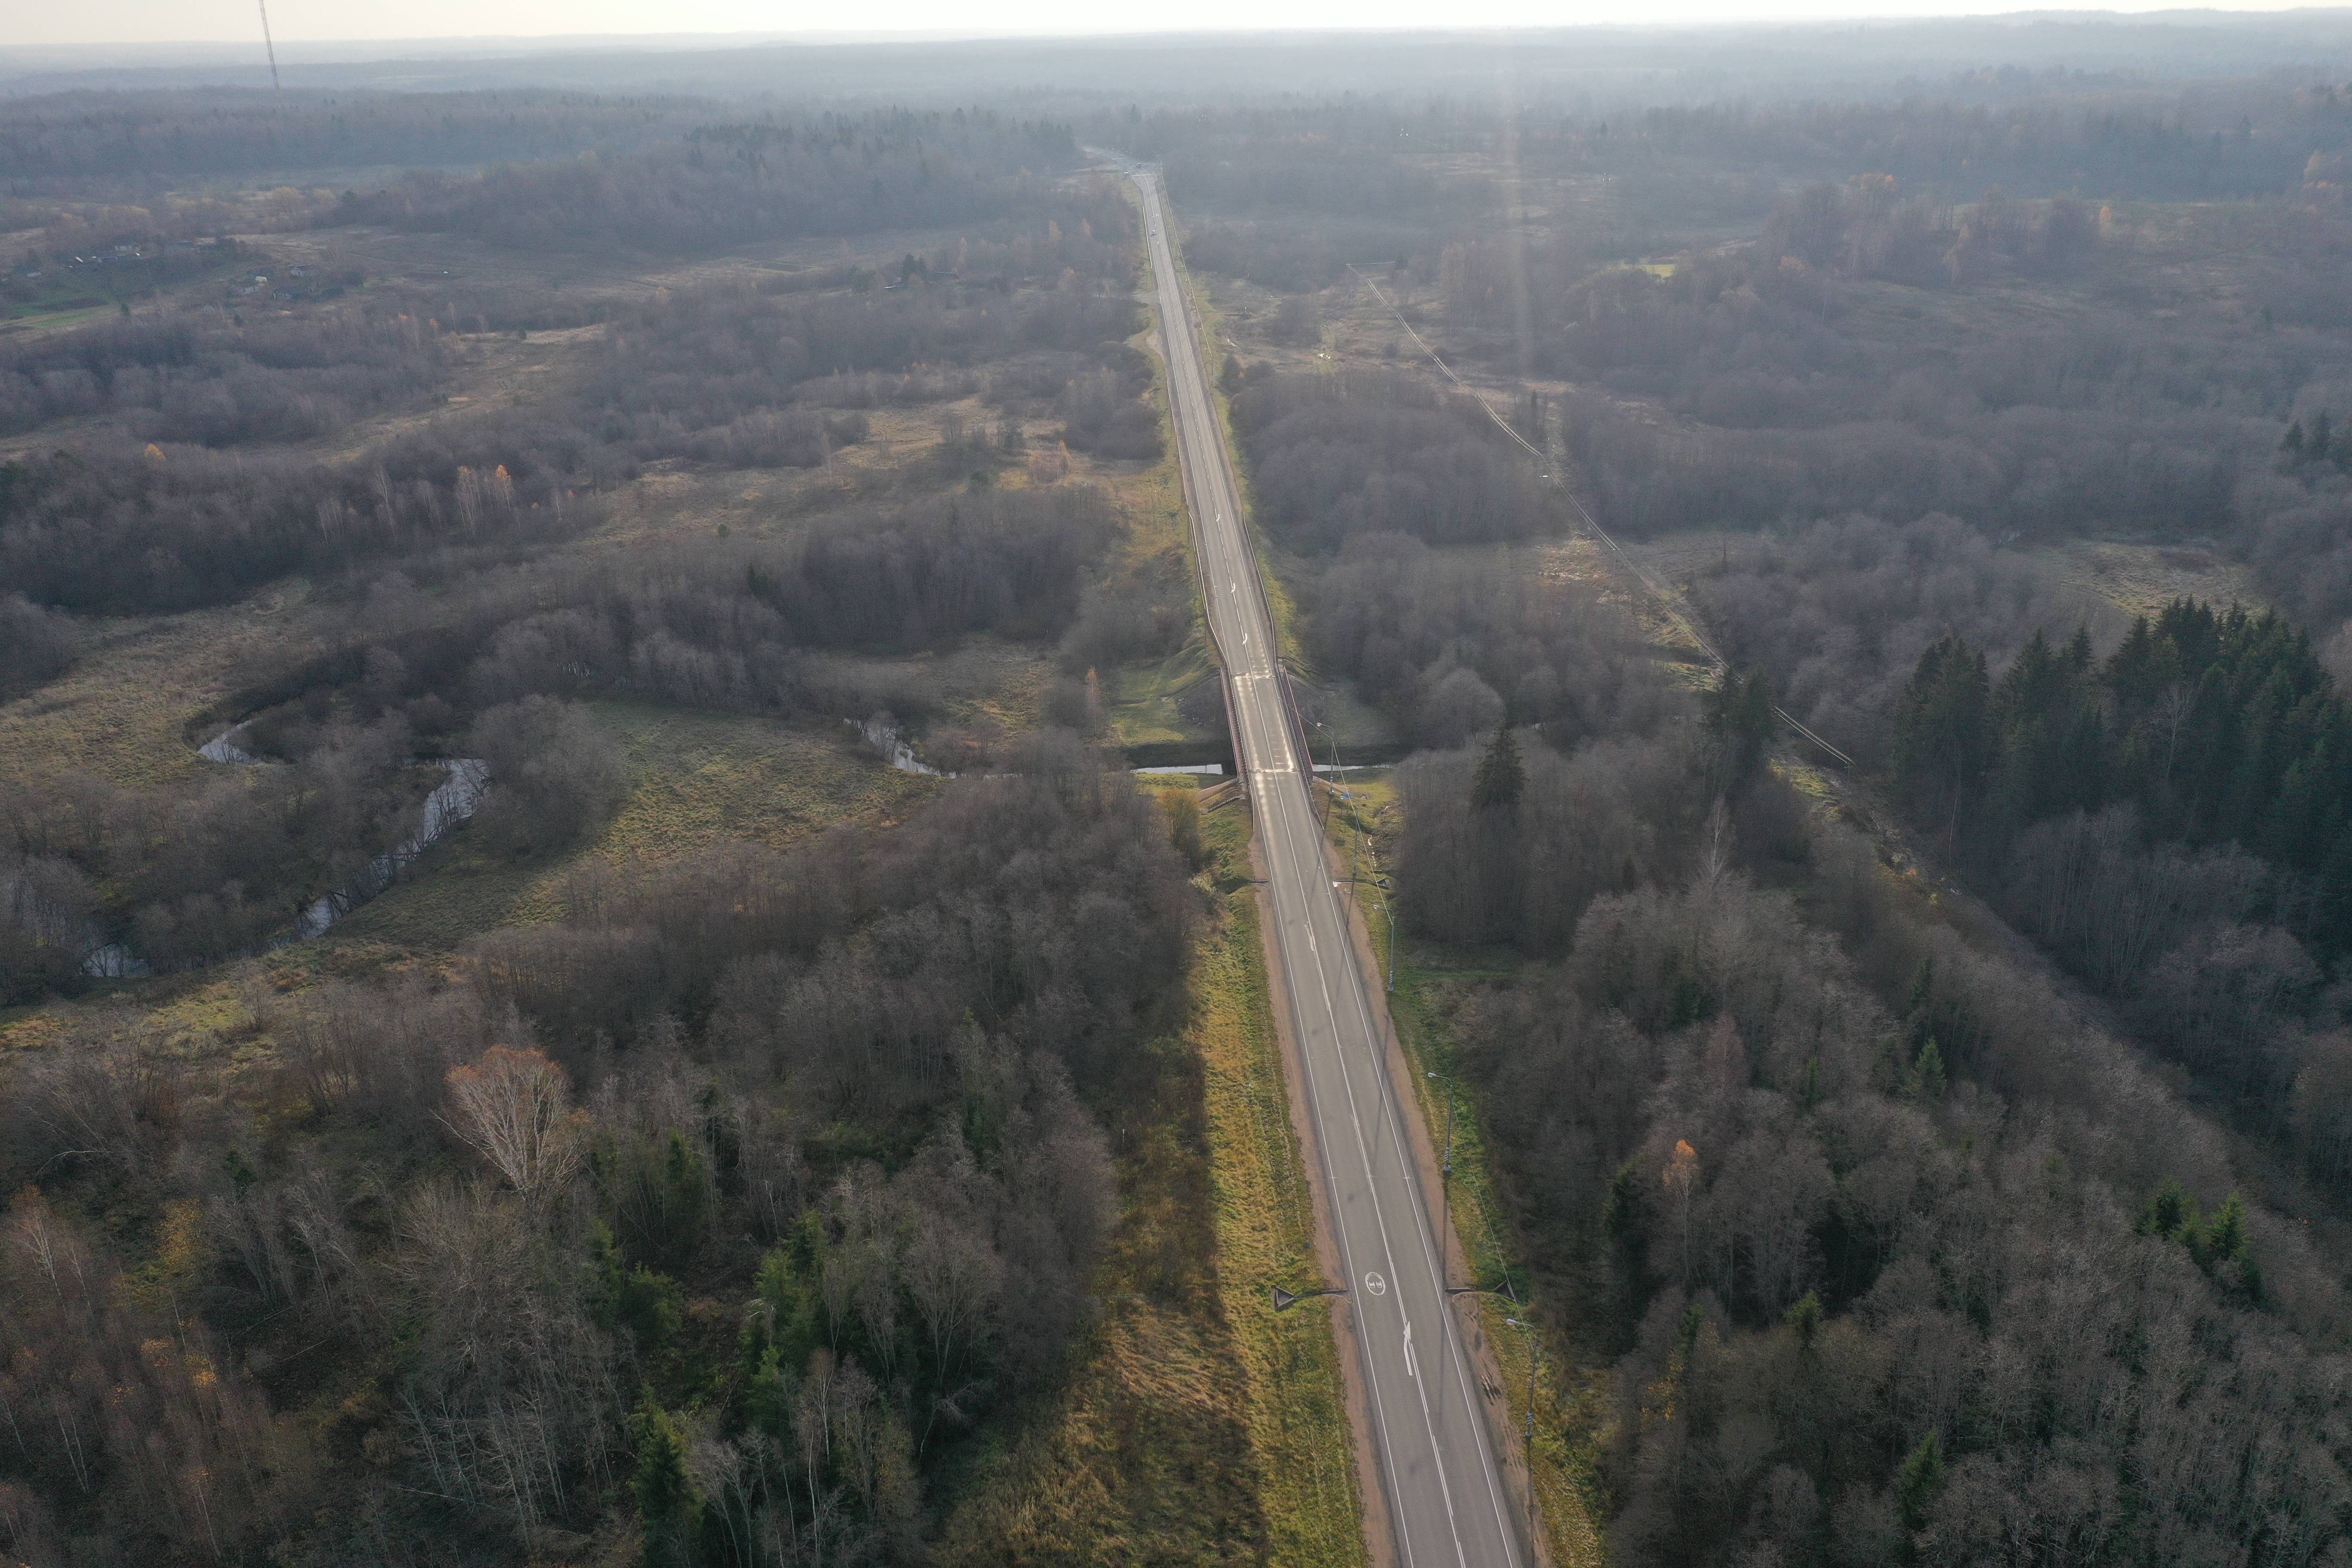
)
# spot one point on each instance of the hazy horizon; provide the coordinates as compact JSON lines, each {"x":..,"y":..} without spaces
{"x":440,"y":26}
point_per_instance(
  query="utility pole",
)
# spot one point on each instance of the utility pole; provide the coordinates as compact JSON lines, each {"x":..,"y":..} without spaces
{"x":1535,"y":1356}
{"x":1333,"y":786}
{"x":1445,"y":1169}
{"x":1389,"y":915}
{"x":1445,"y":1188}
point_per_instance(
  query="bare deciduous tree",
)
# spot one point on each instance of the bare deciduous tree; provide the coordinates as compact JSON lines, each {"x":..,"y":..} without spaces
{"x":513,"y":1107}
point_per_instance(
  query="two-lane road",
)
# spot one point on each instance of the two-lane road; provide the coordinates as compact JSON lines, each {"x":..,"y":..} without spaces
{"x":1447,"y":1504}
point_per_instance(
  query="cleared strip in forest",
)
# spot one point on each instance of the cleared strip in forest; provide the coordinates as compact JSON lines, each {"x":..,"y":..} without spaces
{"x":1667,"y":600}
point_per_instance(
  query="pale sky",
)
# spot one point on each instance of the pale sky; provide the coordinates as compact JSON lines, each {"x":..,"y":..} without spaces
{"x":295,"y":22}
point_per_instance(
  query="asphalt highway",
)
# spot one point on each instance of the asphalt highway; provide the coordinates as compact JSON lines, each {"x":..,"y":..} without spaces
{"x":1447,"y":1504}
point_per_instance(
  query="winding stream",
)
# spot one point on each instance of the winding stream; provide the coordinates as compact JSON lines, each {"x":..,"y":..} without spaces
{"x":454,"y":800}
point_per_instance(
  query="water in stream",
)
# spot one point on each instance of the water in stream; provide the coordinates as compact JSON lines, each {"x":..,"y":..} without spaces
{"x":454,"y":800}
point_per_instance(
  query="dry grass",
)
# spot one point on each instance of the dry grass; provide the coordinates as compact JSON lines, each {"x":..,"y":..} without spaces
{"x":1265,"y":1235}
{"x":695,"y":778}
{"x":1196,"y":1427}
{"x":2139,"y":578}
{"x":485,"y":371}
{"x":1567,"y":1404}
{"x":124,"y":709}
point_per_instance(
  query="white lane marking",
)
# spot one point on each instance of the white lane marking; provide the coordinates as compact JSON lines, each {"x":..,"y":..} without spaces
{"x":1390,"y":1115}
{"x":1287,"y":831}
{"x":1286,"y":836}
{"x":1345,"y":1242}
{"x":1411,"y":1367}
{"x":1375,"y":1284}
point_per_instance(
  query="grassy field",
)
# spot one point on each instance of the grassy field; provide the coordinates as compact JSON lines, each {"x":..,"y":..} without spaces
{"x":35,"y":321}
{"x":1197,"y":1427}
{"x":2139,"y":578}
{"x":122,"y":712}
{"x":1568,"y":1403}
{"x":695,"y":779}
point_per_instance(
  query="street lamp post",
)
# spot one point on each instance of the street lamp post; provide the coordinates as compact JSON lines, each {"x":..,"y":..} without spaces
{"x":1445,"y":1182}
{"x":1334,"y":738}
{"x":1446,"y":1168}
{"x":1387,"y":914}
{"x":1391,"y":918}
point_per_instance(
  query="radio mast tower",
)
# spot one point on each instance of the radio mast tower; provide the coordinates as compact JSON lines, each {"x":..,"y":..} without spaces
{"x":270,"y":46}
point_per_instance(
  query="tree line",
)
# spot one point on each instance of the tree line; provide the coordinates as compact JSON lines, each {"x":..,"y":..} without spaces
{"x":732,"y":183}
{"x":1904,"y":1263}
{"x":2168,"y":820}
{"x":724,"y":360}
{"x":208,"y":378}
{"x":1453,"y":644}
{"x":1335,"y":456}
{"x":739,"y":625}
{"x":2202,"y":141}
{"x":713,"y":375}
{"x":77,"y":140}
{"x":2156,"y":801}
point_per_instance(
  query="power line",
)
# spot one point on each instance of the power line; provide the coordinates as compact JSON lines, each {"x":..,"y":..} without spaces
{"x":1666,"y":602}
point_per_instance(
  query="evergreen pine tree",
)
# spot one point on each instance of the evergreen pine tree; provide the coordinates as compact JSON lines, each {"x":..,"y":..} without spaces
{"x":787,"y":1288}
{"x":2320,"y":445}
{"x":1915,"y":1006}
{"x":1940,"y":727}
{"x":1500,"y":777}
{"x":2133,"y":671}
{"x":2225,"y":1234}
{"x":2167,"y":1210}
{"x":2048,"y":737}
{"x":1920,"y":1480}
{"x":2292,"y":442}
{"x":1806,"y":1317}
{"x":1925,"y":1082}
{"x":1739,"y":715}
{"x":666,"y":1503}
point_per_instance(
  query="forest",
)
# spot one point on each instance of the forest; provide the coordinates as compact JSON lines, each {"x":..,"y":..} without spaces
{"x":726,"y":184}
{"x":780,"y":1117}
{"x":72,"y":142}
{"x":1953,"y":1180}
{"x":167,"y":392}
{"x":556,"y":1169}
{"x":1823,"y":1189}
{"x":741,"y":1210}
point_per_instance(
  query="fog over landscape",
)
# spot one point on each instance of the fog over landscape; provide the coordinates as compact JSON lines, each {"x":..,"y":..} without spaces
{"x":1275,"y":787}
